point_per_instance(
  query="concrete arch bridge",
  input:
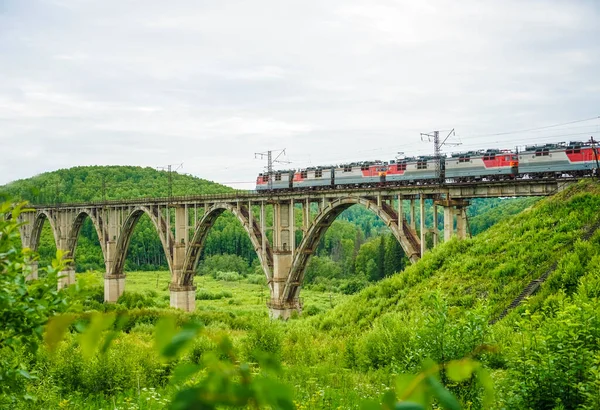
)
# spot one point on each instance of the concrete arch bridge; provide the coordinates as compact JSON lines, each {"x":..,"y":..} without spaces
{"x":182,"y":224}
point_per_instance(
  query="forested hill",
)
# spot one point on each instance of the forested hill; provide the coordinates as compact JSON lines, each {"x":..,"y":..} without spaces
{"x":92,"y":183}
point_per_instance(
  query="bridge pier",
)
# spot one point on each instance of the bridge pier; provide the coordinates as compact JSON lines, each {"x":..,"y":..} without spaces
{"x":183,"y":297}
{"x":422,"y":221}
{"x":66,"y":277}
{"x":32,"y":272}
{"x":283,"y":257}
{"x":458,"y":209}
{"x":114,"y":286}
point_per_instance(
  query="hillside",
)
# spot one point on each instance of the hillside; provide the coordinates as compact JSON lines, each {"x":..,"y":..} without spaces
{"x":488,"y":270}
{"x":440,"y":307}
{"x":80,"y":184}
{"x":94,"y":183}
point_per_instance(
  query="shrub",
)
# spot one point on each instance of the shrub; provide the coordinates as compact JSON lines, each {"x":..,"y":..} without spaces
{"x":257,"y":279}
{"x":228,"y":276}
{"x":264,"y":337}
{"x":202,"y":294}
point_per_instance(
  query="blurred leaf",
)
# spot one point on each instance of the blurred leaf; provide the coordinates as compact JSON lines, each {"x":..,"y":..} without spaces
{"x":388,"y":400}
{"x":55,"y":330}
{"x":184,"y":371}
{"x":179,"y":340}
{"x":92,"y":335}
{"x":443,"y":396}
{"x":485,"y":380}
{"x":410,"y":387}
{"x":408,"y":405}
{"x":461,"y":370}
{"x":370,"y":405}
{"x":163,"y":332}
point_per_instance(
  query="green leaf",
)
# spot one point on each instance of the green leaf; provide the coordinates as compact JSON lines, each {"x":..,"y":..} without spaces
{"x":485,"y":380}
{"x":184,"y":371}
{"x":408,"y":405}
{"x":410,"y":387}
{"x":55,"y":330}
{"x":25,"y":374}
{"x":443,"y":396}
{"x":174,"y":346}
{"x":163,"y":332}
{"x":92,"y":335}
{"x":370,"y":405}
{"x":461,"y":370}
{"x":388,"y":400}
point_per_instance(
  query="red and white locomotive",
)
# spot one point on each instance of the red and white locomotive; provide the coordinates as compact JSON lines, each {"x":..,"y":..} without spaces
{"x":536,"y":161}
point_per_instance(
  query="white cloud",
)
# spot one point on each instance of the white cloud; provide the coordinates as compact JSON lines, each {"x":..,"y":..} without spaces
{"x":210,"y":83}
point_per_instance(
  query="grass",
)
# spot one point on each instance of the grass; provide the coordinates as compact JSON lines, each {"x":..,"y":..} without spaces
{"x":240,"y":297}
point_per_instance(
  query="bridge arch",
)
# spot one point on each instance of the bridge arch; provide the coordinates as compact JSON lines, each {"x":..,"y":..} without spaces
{"x":201,"y":232}
{"x":323,"y":221}
{"x":124,"y":238}
{"x":75,"y":229}
{"x":36,"y":230}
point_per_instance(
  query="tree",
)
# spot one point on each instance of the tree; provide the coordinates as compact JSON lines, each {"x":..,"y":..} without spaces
{"x":24,"y":307}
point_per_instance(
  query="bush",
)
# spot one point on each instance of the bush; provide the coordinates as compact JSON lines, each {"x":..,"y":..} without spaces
{"x":202,"y":294}
{"x":223,"y":263}
{"x":136,"y":300}
{"x":257,"y":279}
{"x":228,"y":276}
{"x":264,"y":337}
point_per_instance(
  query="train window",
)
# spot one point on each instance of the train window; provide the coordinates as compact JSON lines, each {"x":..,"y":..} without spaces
{"x":507,"y":158}
{"x":464,"y":159}
{"x":303,"y":174}
{"x":347,"y":168}
{"x":538,"y":153}
{"x":546,"y":152}
{"x":318,"y":173}
{"x":364,"y":168}
{"x":577,"y":151}
{"x":569,"y":151}
{"x":422,"y":165}
{"x":278,"y":177}
{"x":265,"y":178}
{"x":402,"y":167}
{"x":489,"y":157}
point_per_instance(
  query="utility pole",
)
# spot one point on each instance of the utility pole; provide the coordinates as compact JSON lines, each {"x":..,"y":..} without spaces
{"x":593,"y":142}
{"x":434,"y":137}
{"x":270,"y":162}
{"x":103,"y":188}
{"x":170,"y":170}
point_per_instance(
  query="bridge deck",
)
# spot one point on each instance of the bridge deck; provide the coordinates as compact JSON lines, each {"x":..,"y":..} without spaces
{"x":467,"y":190}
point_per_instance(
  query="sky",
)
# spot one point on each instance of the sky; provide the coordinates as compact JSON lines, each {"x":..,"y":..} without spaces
{"x":210,"y":83}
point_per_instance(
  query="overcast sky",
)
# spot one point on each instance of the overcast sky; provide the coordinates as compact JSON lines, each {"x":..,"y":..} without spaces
{"x":209,"y":83}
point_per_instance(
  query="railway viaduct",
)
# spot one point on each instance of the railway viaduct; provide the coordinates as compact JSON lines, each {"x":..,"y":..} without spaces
{"x":269,"y":219}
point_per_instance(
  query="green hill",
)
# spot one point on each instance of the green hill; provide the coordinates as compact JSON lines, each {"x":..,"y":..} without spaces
{"x":94,"y":183}
{"x":440,"y":307}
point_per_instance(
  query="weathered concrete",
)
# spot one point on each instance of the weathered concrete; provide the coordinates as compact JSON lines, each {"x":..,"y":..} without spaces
{"x":66,"y":278}
{"x":183,"y":297}
{"x":32,"y":272}
{"x":114,"y":286}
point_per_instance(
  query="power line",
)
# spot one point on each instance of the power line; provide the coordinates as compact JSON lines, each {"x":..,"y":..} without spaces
{"x":536,"y":128}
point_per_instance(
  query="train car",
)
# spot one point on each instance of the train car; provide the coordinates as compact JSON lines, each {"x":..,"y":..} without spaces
{"x":413,"y":169}
{"x":475,"y":165}
{"x":281,"y":180}
{"x":550,"y":160}
{"x":360,"y":174}
{"x":314,"y":178}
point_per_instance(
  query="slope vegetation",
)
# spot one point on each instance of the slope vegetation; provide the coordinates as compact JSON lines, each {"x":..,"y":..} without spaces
{"x":489,"y":270}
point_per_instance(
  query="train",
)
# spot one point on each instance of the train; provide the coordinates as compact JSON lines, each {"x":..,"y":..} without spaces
{"x":574,"y":159}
